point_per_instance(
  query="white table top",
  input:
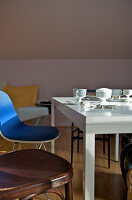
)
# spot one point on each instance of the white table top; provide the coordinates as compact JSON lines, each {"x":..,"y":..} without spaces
{"x":122,"y":113}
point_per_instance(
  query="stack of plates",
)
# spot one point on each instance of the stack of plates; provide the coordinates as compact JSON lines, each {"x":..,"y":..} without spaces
{"x":104,"y":93}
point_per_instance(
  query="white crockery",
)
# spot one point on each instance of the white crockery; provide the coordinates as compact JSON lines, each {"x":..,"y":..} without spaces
{"x":104,"y":93}
{"x":127,"y":92}
{"x":116,"y":93}
{"x":75,"y":92}
{"x":80,"y":93}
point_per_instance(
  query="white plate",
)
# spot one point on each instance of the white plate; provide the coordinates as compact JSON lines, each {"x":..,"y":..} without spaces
{"x":91,"y":98}
{"x":70,"y":102}
{"x":115,"y":100}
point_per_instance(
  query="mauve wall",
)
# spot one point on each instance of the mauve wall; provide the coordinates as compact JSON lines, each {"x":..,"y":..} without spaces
{"x":65,"y":29}
{"x":58,"y":77}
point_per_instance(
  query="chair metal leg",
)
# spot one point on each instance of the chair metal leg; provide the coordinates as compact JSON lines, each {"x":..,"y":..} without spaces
{"x":44,"y":146}
{"x":68,"y":191}
{"x":72,"y":132}
{"x":36,"y":146}
{"x":103,"y":144}
{"x":38,"y":121}
{"x":78,"y":137}
{"x":108,"y":151}
{"x":39,"y":146}
{"x":36,"y":124}
{"x":14,"y":146}
{"x":19,"y":146}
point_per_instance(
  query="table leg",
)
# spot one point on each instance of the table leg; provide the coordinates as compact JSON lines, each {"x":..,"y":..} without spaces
{"x":89,"y":166}
{"x":117,"y":147}
{"x":52,"y":124}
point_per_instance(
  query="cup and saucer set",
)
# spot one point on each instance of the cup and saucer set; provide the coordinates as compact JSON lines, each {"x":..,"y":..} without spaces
{"x":103,"y":98}
{"x":78,"y":94}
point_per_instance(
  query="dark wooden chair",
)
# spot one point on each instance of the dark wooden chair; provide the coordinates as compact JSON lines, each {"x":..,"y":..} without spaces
{"x":27,"y":173}
{"x":126,"y":168}
{"x":129,"y":184}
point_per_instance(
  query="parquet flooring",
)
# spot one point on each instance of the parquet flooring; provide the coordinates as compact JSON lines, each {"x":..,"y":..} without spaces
{"x":109,"y":184}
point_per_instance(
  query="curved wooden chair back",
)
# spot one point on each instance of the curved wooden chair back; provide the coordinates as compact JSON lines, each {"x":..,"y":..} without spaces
{"x":27,"y":173}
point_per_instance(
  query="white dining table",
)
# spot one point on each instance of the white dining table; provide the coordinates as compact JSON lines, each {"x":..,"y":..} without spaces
{"x":91,"y":122}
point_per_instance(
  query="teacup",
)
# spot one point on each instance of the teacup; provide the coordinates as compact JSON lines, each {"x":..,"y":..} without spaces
{"x":79,"y":93}
{"x":116,"y":93}
{"x":127,"y":92}
{"x":75,"y":92}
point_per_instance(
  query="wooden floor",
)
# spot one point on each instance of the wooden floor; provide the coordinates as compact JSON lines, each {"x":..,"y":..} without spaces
{"x":108,"y":182}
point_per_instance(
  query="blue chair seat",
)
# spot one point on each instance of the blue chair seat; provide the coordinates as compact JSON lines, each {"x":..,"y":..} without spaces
{"x":14,"y":130}
{"x":27,"y":133}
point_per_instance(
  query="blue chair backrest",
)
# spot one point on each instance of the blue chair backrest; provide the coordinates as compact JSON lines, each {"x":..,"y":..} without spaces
{"x":7,"y":111}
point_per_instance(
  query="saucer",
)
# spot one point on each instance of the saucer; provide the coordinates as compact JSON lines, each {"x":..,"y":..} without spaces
{"x":91,"y":98}
{"x":115,"y":100}
{"x":71,"y":102}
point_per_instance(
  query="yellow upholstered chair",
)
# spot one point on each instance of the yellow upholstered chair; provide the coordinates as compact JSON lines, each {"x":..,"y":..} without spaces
{"x":24,"y":98}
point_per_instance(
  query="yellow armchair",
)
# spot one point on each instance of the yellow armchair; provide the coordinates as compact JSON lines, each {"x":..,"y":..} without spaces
{"x":22,"y":96}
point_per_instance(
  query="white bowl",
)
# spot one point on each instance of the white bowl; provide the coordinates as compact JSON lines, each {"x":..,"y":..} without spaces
{"x":104,"y":93}
{"x":103,"y":90}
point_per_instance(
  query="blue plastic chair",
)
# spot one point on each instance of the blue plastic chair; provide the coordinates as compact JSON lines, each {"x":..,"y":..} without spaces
{"x":12,"y":129}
